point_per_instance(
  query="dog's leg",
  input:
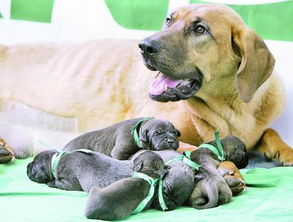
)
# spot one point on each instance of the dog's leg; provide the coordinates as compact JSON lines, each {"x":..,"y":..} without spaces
{"x":123,"y":148}
{"x":26,"y":129}
{"x":63,"y":185}
{"x":274,"y":147}
{"x":6,"y":153}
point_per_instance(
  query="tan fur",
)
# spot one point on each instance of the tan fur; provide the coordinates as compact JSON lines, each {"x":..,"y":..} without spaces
{"x":102,"y":82}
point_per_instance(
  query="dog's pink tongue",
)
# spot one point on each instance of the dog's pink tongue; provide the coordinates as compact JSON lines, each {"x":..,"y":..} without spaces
{"x":161,"y":83}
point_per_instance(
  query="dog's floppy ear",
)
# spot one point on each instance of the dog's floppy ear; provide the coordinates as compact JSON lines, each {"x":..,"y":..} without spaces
{"x":257,"y":62}
{"x":138,"y":166}
{"x":178,"y":133}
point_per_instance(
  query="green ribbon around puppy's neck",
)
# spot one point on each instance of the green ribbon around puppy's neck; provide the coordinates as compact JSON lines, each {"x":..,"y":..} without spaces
{"x":218,"y":151}
{"x":152,"y":182}
{"x":161,"y":197}
{"x":135,"y":131}
{"x":185,"y":158}
{"x":57,"y":157}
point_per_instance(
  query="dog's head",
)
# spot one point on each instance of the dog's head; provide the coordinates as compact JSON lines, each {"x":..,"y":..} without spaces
{"x":234,"y":150}
{"x":149,"y":163}
{"x":157,"y":134}
{"x":39,"y":170}
{"x":208,"y":50}
{"x":178,"y":183}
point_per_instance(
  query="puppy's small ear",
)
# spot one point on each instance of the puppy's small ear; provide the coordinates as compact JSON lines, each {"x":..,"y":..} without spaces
{"x":164,"y":172}
{"x":257,"y":62}
{"x":198,"y":177}
{"x":143,"y":136}
{"x":178,"y":133}
{"x":138,"y":166}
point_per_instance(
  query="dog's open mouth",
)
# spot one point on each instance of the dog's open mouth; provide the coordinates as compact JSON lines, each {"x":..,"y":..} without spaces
{"x":164,"y":88}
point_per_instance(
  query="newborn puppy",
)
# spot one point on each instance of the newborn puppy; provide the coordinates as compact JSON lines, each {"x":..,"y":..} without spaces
{"x":81,"y":171}
{"x":178,"y":180}
{"x":123,"y":139}
{"x":121,"y":198}
{"x":210,"y":189}
{"x":234,"y":150}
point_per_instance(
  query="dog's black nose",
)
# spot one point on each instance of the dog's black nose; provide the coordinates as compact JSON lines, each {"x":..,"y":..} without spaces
{"x":170,"y":140}
{"x":149,"y":46}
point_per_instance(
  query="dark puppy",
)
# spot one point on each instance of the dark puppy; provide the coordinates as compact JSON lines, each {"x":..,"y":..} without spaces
{"x":81,"y":171}
{"x":121,"y":198}
{"x":234,"y":150}
{"x":125,"y":138}
{"x":212,"y":189}
{"x":178,"y":180}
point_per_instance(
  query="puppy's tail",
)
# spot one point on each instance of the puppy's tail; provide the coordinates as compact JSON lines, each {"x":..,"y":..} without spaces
{"x":211,"y":198}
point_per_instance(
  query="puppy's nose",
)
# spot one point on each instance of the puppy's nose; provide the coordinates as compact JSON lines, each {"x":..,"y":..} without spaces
{"x":170,"y":140}
{"x":149,"y":46}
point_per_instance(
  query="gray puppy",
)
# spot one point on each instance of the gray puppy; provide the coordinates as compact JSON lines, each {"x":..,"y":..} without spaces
{"x":123,"y":139}
{"x":178,"y":180}
{"x":234,"y":150}
{"x":81,"y":171}
{"x":211,"y":188}
{"x":121,"y":198}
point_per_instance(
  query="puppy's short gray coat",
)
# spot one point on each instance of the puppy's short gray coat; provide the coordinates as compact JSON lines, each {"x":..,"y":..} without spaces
{"x":178,"y":180}
{"x":211,"y":188}
{"x":81,"y":171}
{"x":117,"y":141}
{"x":121,"y":198}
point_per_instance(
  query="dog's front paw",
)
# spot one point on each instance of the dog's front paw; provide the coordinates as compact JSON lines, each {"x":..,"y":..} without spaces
{"x":6,"y":153}
{"x":285,"y":156}
{"x":232,"y":177}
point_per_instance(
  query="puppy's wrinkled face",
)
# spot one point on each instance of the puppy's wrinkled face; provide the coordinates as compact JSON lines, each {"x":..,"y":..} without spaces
{"x":159,"y":135}
{"x":178,"y":184}
{"x":149,"y":163}
{"x":234,"y":150}
{"x":39,"y":170}
{"x":193,"y":46}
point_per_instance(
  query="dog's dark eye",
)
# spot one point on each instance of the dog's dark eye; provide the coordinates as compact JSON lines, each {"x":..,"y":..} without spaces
{"x":199,"y":29}
{"x":168,"y":20}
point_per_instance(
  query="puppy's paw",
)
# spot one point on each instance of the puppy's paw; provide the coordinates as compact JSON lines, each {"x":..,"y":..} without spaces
{"x":232,"y":177}
{"x":236,"y":185}
{"x":6,"y":152}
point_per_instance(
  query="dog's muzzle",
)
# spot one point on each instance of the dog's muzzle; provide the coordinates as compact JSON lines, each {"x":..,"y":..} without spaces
{"x":164,"y":88}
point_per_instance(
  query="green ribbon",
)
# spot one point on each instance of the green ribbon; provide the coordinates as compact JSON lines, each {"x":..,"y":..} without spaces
{"x":218,"y":151}
{"x":57,"y":157}
{"x":185,"y":158}
{"x":135,"y":131}
{"x":153,"y":183}
{"x":160,"y":196}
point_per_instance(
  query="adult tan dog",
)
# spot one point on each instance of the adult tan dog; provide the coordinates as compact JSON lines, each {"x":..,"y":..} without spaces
{"x":218,"y":69}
